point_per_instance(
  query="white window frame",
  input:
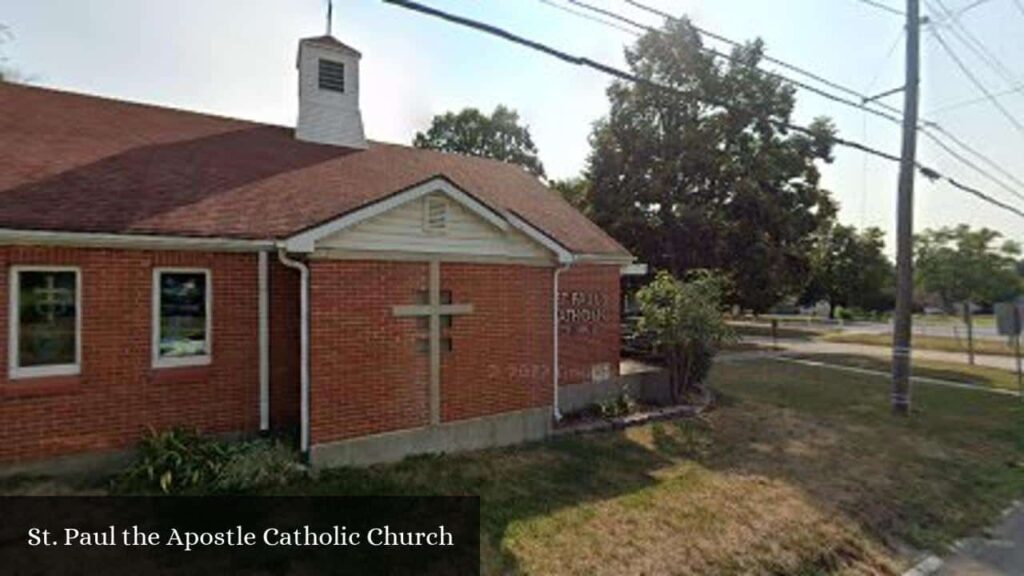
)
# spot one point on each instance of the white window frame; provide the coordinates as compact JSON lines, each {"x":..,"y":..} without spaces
{"x":175,"y":362}
{"x":14,"y":320}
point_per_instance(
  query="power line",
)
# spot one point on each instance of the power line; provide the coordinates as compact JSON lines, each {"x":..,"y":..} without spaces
{"x":971,"y":164}
{"x":974,"y":80}
{"x":585,"y":16}
{"x":715,"y":36}
{"x":973,"y":101}
{"x":956,"y":15}
{"x":888,"y":55}
{"x":968,"y":39}
{"x":924,"y":126}
{"x":855,"y":104}
{"x":629,"y":77}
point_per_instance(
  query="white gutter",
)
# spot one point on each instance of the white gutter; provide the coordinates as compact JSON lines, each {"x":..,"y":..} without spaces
{"x":554,"y":362}
{"x":130,"y":241}
{"x":303,"y":344}
{"x":264,"y":339}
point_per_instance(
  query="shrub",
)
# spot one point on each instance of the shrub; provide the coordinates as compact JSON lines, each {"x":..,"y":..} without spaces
{"x":184,"y":462}
{"x":621,"y":405}
{"x":686,"y":324}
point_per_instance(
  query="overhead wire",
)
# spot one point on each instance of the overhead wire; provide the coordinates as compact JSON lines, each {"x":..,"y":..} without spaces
{"x":620,"y":74}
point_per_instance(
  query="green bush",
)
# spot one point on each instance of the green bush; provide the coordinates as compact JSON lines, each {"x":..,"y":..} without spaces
{"x":686,"y":324}
{"x":185,"y":462}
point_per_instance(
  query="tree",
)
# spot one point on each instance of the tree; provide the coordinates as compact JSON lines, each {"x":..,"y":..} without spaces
{"x":966,"y":267}
{"x":576,"y":191}
{"x":850,"y":269}
{"x":6,"y":74}
{"x":685,"y":322}
{"x":498,"y":136}
{"x":686,"y":184}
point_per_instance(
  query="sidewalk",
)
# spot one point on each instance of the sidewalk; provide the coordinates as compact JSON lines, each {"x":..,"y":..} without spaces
{"x":1000,"y":552}
{"x":820,"y":347}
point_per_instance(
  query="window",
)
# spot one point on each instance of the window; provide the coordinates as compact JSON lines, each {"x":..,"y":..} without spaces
{"x":182,"y":330}
{"x":45,"y":321}
{"x":331,"y":76}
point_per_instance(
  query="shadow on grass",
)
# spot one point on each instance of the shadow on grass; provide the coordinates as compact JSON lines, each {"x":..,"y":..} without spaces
{"x":517,"y":483}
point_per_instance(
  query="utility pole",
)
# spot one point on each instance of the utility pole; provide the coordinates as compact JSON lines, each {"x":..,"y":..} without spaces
{"x":903,"y":322}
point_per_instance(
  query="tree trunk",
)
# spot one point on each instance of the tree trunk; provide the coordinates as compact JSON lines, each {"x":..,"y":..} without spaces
{"x":673,"y":378}
{"x":969,"y":320}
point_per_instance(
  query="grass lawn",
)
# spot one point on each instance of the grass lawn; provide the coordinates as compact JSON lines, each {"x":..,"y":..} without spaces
{"x":765,"y":330}
{"x":992,"y":347}
{"x":979,"y":375}
{"x":801,"y":470}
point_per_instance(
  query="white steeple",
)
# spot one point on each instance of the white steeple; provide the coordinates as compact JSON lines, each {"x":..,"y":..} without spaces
{"x":329,"y":93}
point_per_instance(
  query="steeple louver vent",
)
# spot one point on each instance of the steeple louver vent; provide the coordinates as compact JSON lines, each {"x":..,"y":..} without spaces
{"x":435,"y":215}
{"x":331,"y":75}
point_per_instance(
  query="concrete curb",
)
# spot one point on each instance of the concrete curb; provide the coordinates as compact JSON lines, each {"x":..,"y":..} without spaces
{"x":926,"y":567}
{"x":930,"y":563}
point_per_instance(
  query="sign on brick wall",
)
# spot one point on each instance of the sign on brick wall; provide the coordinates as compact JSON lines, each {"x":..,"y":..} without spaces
{"x":579,"y":311}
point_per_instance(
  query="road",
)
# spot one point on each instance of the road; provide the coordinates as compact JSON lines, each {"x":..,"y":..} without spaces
{"x":822,"y":347}
{"x":986,"y":331}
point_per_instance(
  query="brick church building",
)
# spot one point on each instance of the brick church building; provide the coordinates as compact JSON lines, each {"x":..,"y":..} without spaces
{"x":162,"y":268}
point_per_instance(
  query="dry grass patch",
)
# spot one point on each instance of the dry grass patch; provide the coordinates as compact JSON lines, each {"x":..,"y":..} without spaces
{"x":800,"y":470}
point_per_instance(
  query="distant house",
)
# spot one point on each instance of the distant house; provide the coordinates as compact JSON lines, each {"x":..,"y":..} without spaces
{"x":166,"y":269}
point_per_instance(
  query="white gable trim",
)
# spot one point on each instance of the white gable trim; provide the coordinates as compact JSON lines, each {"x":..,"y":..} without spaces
{"x":564,"y":256}
{"x":305,"y":242}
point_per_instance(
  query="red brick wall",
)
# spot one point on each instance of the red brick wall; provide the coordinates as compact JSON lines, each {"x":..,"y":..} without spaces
{"x":366,"y":373}
{"x":589,"y":310}
{"x":368,"y":376}
{"x":284,"y":346}
{"x":118,"y":395}
{"x":501,"y":353}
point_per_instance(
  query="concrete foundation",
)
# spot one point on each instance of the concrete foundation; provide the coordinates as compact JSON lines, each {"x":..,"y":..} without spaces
{"x":463,"y":435}
{"x":643,"y":383}
{"x":87,"y":464}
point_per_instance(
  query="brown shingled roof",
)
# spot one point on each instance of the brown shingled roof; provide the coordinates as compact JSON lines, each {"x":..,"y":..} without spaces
{"x":78,"y":163}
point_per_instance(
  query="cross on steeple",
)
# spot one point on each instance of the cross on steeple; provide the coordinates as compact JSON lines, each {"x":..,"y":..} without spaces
{"x":434,"y":310}
{"x":330,"y":15}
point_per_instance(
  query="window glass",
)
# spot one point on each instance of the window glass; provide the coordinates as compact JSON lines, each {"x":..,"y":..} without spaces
{"x":183,"y":314}
{"x":47,"y":318}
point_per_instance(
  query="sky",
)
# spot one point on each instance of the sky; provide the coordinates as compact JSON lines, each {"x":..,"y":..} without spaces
{"x":237,"y":59}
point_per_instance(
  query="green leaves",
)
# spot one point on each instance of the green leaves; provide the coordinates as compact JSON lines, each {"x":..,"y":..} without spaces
{"x":687,"y":184}
{"x":965,"y":265}
{"x":498,"y":136}
{"x":685,"y":322}
{"x":184,"y":462}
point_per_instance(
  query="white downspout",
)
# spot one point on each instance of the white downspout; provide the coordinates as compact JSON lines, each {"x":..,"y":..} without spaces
{"x":554,"y":362}
{"x":264,"y":340}
{"x":303,"y":345}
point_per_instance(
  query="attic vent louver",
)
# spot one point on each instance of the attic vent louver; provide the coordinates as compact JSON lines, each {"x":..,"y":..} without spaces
{"x":435,"y":215}
{"x":331,"y":76}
